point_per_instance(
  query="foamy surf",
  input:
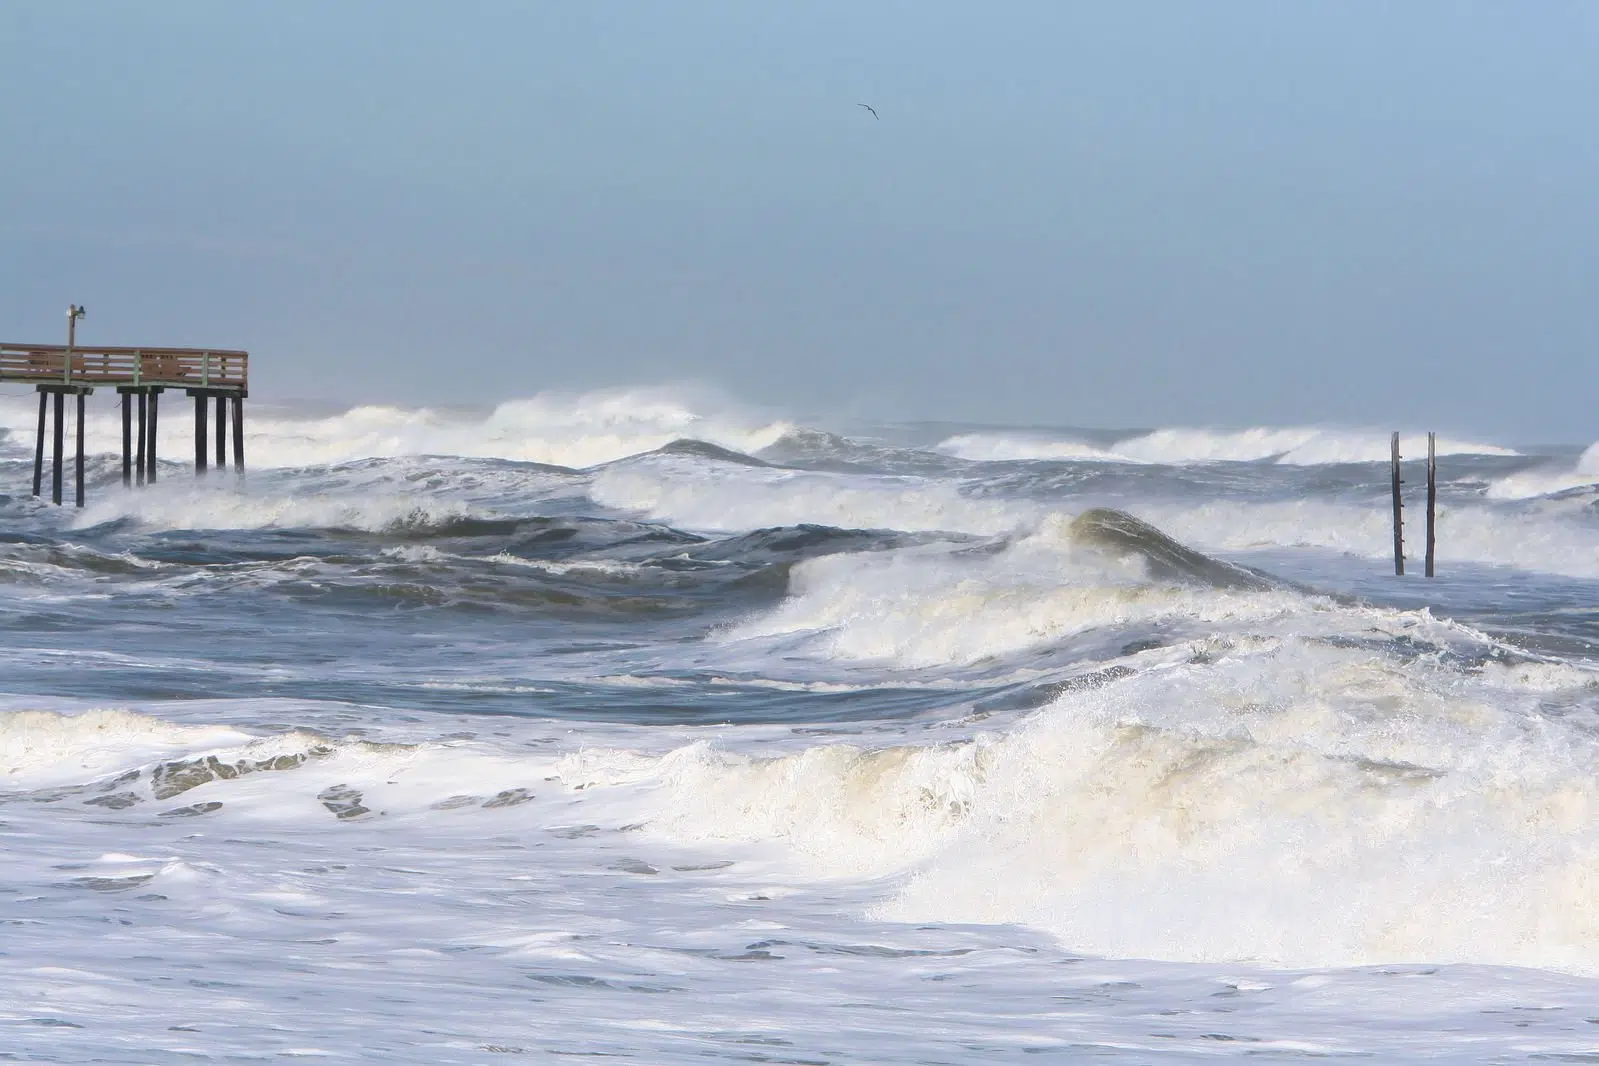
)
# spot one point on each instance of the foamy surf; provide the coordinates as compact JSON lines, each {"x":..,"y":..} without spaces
{"x":709,"y":737}
{"x":1178,"y":446}
{"x":559,"y":429}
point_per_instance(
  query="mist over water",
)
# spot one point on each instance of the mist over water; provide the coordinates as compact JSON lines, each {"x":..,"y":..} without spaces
{"x":637,"y":723}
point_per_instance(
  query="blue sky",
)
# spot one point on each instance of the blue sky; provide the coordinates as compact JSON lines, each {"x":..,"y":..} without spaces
{"x":1119,"y":214}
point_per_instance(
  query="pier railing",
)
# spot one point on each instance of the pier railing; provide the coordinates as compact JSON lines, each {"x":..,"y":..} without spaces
{"x":190,"y":368}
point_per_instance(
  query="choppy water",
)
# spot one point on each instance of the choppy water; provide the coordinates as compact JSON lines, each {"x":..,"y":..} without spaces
{"x":630,"y":726}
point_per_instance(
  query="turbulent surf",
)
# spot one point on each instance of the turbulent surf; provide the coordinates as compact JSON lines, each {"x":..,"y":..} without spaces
{"x":635,"y":724}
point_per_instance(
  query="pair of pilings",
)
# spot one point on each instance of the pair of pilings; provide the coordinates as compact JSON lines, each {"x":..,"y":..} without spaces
{"x":138,"y":458}
{"x":222,"y":398}
{"x":1399,"y":506}
{"x":60,"y":393}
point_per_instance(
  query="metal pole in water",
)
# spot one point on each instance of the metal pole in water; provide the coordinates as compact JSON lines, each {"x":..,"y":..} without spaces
{"x":1399,"y":515}
{"x":1432,"y":499}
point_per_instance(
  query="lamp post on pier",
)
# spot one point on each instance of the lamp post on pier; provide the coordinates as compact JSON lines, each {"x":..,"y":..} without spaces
{"x":74,"y":312}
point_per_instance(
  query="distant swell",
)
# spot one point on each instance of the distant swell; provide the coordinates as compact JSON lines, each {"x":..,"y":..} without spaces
{"x":560,"y":429}
{"x":1175,"y":447}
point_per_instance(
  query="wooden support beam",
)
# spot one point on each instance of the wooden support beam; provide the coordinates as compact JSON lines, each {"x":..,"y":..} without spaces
{"x":127,"y":439}
{"x":144,"y":434}
{"x":60,"y":443}
{"x":79,"y":465}
{"x":222,"y":431}
{"x":200,"y":413}
{"x":238,"y":435}
{"x":38,"y":451}
{"x":149,"y":452}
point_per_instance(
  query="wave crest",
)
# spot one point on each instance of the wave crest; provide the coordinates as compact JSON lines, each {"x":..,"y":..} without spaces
{"x":1179,"y":446}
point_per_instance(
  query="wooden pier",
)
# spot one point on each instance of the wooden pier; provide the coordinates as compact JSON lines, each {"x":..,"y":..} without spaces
{"x":140,"y":376}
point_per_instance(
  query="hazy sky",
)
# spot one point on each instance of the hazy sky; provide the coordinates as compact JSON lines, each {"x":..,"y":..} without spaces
{"x":1113,"y":213}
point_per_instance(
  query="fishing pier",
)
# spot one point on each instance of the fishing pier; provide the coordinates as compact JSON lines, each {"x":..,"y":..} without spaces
{"x":140,"y":376}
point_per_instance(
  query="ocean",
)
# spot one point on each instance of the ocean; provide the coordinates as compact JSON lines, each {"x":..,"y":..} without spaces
{"x":639,"y":726}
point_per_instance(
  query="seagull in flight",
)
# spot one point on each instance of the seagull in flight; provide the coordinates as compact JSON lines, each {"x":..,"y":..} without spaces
{"x":870,"y":108}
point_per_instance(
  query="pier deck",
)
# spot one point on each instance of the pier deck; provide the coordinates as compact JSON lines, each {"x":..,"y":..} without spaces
{"x":138,"y":374}
{"x":173,"y":368}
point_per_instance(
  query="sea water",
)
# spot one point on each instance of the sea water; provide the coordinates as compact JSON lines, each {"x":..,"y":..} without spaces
{"x":635,"y":726}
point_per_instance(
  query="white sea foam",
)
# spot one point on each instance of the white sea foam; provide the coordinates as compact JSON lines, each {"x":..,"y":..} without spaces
{"x":695,"y":494}
{"x":1178,"y":446}
{"x":1289,"y":803}
{"x":1544,"y":480}
{"x":576,"y":429}
{"x":930,"y":609}
{"x":40,"y":748}
{"x":1004,"y":447}
{"x":223,"y":505}
{"x":1547,"y":543}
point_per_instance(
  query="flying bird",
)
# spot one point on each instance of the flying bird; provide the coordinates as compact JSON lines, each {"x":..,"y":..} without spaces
{"x":870,"y":108}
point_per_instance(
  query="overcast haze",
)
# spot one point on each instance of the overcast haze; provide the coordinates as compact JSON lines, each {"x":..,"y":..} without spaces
{"x":1096,"y":214}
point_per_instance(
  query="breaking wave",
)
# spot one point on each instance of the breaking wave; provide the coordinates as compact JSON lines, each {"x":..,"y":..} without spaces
{"x":560,"y":429}
{"x":1281,"y":801}
{"x":1175,"y":447}
{"x":1547,"y":480}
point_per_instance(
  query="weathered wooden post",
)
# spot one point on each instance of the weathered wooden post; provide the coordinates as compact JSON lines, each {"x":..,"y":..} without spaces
{"x":38,"y":450}
{"x":60,"y":443}
{"x":1399,"y":514}
{"x":200,"y":413}
{"x":222,"y":431}
{"x":144,"y":434}
{"x":1432,"y":499}
{"x":127,"y":438}
{"x":238,"y":434}
{"x":149,"y":451}
{"x":79,"y":470}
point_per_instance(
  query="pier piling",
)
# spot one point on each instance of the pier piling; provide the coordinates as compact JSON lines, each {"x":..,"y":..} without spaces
{"x":201,"y":410}
{"x":60,"y":441}
{"x":78,"y":472}
{"x":127,"y":439}
{"x":38,"y":451}
{"x":138,"y":458}
{"x":222,"y":432}
{"x":149,"y":447}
